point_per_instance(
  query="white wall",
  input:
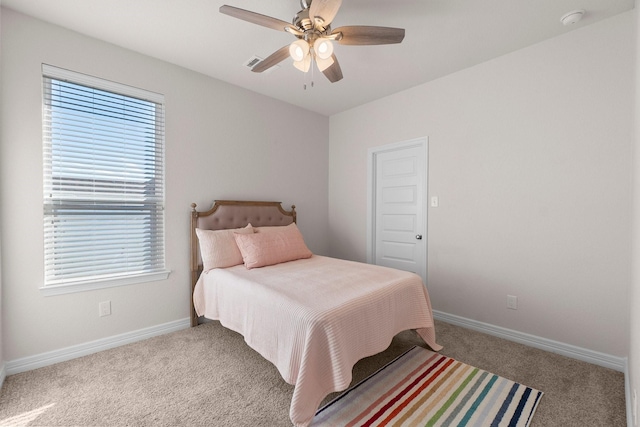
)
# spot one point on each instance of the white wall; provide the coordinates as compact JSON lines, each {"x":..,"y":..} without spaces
{"x":530,"y":157}
{"x":2,"y":364}
{"x":221,"y":142}
{"x":633,"y":375}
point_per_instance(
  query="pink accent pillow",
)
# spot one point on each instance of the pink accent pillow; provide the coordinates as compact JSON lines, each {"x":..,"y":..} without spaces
{"x":274,"y":247}
{"x":270,"y":228}
{"x":218,"y":248}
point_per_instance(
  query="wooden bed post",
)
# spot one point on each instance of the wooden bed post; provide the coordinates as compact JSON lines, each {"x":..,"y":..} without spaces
{"x":194,"y":261}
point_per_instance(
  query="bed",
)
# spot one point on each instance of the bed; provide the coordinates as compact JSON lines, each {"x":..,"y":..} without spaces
{"x":312,"y":316}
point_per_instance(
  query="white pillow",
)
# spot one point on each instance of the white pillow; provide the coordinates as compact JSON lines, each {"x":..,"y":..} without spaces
{"x":218,"y":248}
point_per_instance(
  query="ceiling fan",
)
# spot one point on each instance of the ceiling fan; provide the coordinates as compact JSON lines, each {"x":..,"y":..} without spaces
{"x":312,"y":28}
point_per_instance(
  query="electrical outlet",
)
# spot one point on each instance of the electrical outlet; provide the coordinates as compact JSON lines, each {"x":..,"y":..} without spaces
{"x":104,"y":308}
{"x":512,"y":302}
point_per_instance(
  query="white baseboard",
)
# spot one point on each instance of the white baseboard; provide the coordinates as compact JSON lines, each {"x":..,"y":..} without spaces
{"x":49,"y":358}
{"x":568,"y":350}
{"x":3,"y":373}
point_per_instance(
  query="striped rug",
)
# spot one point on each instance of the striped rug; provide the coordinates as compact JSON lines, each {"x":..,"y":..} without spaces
{"x":422,"y":388}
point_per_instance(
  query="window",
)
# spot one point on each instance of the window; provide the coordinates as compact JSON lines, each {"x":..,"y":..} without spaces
{"x":103,"y":183}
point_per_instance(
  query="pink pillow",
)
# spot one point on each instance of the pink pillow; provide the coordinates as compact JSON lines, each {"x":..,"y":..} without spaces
{"x":218,"y":248}
{"x":274,"y":247}
{"x":270,"y":228}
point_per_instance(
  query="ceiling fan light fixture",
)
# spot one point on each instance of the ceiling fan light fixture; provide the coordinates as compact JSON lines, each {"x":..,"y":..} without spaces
{"x":323,"y":64}
{"x":312,"y":28}
{"x":303,"y":65}
{"x":299,"y":50}
{"x":323,"y":48}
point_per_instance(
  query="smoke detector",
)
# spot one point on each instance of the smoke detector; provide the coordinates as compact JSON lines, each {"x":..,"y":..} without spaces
{"x":572,"y":17}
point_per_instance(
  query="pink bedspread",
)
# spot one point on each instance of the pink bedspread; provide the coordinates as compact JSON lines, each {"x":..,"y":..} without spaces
{"x":315,"y":318}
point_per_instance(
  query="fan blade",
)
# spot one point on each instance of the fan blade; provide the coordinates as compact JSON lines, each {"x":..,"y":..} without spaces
{"x":334,"y":72}
{"x":256,"y":18}
{"x":325,"y":9}
{"x":271,"y":60}
{"x":366,"y":35}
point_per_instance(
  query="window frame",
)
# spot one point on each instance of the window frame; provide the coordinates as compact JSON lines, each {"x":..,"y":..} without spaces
{"x":86,"y":283}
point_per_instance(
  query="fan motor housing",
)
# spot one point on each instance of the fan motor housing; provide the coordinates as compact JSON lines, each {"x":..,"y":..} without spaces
{"x":302,"y":21}
{"x":313,"y":29}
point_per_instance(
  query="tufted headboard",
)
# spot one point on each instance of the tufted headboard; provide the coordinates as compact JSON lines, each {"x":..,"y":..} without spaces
{"x":225,"y":214}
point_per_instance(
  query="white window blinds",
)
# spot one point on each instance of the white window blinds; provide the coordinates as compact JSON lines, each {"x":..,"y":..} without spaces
{"x":103,"y":180}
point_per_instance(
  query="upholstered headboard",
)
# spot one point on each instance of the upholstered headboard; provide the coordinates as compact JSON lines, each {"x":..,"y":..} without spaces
{"x":226,"y":214}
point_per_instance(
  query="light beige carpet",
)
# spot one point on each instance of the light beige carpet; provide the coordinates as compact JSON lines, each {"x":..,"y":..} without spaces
{"x":208,"y":376}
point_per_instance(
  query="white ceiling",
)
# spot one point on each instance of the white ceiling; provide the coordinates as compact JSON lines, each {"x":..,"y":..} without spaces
{"x":442,"y":37}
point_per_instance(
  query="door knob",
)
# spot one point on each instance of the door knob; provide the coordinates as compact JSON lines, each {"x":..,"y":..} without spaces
{"x":419,"y":236}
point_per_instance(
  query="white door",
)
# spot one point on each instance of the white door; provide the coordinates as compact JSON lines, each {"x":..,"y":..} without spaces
{"x":398,"y":211}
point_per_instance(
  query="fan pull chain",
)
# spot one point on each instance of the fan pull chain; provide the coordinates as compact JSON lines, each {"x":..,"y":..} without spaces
{"x":305,"y":77}
{"x":311,"y":83}
{"x":304,"y":80}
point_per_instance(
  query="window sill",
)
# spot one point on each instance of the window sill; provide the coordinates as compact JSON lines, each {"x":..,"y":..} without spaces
{"x":91,"y":285}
